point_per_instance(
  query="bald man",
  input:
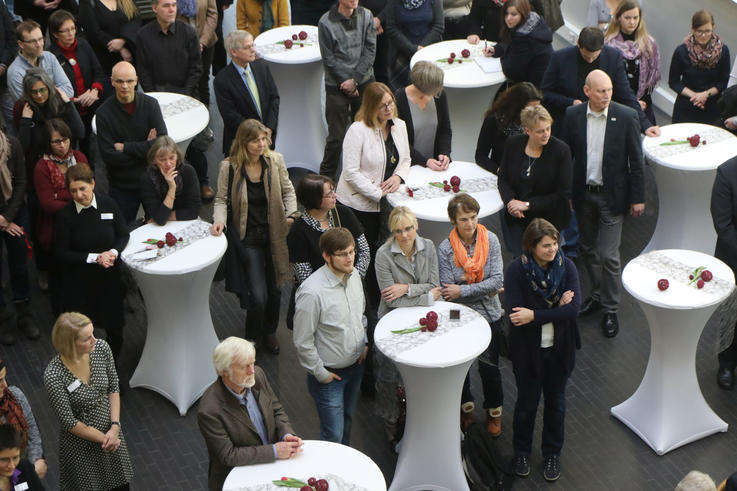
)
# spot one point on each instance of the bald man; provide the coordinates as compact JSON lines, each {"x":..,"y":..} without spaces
{"x":127,"y":124}
{"x":608,"y":182}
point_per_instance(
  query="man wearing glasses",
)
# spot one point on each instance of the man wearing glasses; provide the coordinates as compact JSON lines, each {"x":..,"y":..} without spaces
{"x":329,"y":335}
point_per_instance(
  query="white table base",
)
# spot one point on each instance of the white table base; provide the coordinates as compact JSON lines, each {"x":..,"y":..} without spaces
{"x":430,"y":453}
{"x":301,"y":133}
{"x":684,"y":216}
{"x":467,"y":107}
{"x":177,"y":357}
{"x":668,"y":409}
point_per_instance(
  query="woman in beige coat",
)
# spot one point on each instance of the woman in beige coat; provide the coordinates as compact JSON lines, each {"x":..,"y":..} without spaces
{"x":255,"y":201}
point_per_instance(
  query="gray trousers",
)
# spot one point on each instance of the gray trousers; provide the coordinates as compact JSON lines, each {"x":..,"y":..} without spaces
{"x":600,"y":236}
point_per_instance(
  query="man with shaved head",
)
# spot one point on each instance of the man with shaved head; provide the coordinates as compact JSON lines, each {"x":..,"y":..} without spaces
{"x":608,"y":182}
{"x":127,"y":125}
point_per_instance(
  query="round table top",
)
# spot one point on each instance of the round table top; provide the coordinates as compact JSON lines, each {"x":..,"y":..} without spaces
{"x":193,"y":257}
{"x":268,"y":45}
{"x":317,"y":458}
{"x":465,"y":75}
{"x":640,"y":278}
{"x":434,"y":207}
{"x":453,"y":343}
{"x":721,"y":145}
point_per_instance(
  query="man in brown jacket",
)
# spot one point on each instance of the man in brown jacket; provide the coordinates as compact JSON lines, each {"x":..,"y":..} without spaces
{"x":240,"y":417}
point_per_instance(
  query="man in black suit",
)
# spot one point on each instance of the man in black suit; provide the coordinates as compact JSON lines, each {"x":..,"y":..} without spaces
{"x":245,"y":89}
{"x":604,"y":138}
{"x":563,"y":82}
{"x":724,"y":216}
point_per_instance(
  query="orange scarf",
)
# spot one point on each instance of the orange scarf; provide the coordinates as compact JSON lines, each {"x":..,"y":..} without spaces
{"x":473,"y":266}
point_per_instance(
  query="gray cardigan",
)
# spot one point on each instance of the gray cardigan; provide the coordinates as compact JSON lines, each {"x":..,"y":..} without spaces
{"x":392,"y":266}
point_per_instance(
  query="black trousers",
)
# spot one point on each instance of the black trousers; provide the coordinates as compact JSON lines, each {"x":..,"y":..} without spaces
{"x":264,"y":297}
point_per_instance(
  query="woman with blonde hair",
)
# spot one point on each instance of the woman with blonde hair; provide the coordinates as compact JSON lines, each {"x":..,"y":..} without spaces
{"x":627,"y":32}
{"x":256,"y":202}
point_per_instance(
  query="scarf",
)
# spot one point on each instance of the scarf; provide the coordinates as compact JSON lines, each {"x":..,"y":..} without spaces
{"x":706,"y":57}
{"x":473,"y":266}
{"x":58,"y":181}
{"x":187,"y":8}
{"x":6,"y":179}
{"x":160,"y":184}
{"x":649,"y":65}
{"x":267,"y":18}
{"x":11,"y":411}
{"x":545,"y":282}
{"x":532,"y":21}
{"x":412,"y":4}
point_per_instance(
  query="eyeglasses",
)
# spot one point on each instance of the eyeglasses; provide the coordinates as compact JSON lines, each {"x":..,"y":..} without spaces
{"x":405,"y":230}
{"x":66,"y":31}
{"x":40,"y":91}
{"x":703,"y":32}
{"x":59,"y":141}
{"x":388,"y":105}
{"x":33,"y":41}
{"x":346,"y":254}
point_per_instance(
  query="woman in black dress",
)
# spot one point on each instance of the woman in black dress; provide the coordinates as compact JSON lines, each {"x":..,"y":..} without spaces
{"x":89,"y":235}
{"x":699,"y":71}
{"x":111,"y":27}
{"x":169,"y":188}
{"x":534,"y":177}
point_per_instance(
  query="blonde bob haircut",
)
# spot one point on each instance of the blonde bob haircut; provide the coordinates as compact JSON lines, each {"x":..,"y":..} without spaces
{"x":164,"y":143}
{"x":232,"y":349}
{"x":65,"y":332}
{"x":531,"y":115}
{"x":371,"y":104}
{"x":398,"y":214}
{"x":248,"y":131}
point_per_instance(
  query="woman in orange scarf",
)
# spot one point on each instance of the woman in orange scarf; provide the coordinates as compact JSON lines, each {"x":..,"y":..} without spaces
{"x":470,"y":264}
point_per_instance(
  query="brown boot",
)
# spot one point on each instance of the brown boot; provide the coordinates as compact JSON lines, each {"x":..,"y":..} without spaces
{"x":467,"y":414}
{"x":494,"y":422}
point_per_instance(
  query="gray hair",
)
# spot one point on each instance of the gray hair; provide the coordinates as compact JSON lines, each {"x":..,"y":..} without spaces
{"x":696,"y":481}
{"x":235,"y":38}
{"x":427,"y":77}
{"x":164,"y":143}
{"x":231,"y":349}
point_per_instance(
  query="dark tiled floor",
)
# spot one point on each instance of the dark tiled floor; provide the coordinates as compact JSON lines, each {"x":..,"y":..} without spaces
{"x":600,"y":453}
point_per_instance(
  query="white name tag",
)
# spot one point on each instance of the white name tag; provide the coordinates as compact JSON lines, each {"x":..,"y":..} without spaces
{"x":74,"y":385}
{"x":21,"y":487}
{"x":106,"y":216}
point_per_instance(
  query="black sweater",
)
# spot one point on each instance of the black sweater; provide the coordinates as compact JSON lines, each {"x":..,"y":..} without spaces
{"x":17,"y":166}
{"x":485,"y":18}
{"x":548,"y":188}
{"x":443,"y":133}
{"x":490,"y":144}
{"x":525,"y":57}
{"x":28,"y":476}
{"x":524,"y":340}
{"x":115,"y":125}
{"x":186,"y":204}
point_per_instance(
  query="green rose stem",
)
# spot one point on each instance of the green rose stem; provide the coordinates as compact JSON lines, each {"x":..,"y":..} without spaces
{"x":290,"y":483}
{"x":697,"y":274}
{"x":407,"y":331}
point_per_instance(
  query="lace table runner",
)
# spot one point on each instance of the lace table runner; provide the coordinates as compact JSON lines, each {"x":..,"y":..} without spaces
{"x":278,"y":47}
{"x":190,"y":234}
{"x":711,"y":135}
{"x":478,"y":185}
{"x":476,"y":51}
{"x":395,"y":344}
{"x":336,"y":483}
{"x":678,"y":271}
{"x":178,"y":106}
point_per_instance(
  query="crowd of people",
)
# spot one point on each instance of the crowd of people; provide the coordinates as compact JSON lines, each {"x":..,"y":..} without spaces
{"x":563,"y":135}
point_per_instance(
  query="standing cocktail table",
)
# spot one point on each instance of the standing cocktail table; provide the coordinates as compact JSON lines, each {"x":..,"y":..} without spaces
{"x":668,"y":410}
{"x":433,"y":366}
{"x":177,"y":357}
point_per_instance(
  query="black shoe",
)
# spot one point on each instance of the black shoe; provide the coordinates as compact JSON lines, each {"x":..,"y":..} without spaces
{"x":610,"y":324}
{"x":7,"y":338}
{"x":725,"y":378}
{"x":521,"y":466}
{"x":552,"y":468}
{"x":271,"y":344}
{"x":25,"y":321}
{"x":589,"y":306}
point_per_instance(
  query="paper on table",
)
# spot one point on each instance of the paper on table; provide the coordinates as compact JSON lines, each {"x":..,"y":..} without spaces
{"x":488,"y":64}
{"x":147,"y":254}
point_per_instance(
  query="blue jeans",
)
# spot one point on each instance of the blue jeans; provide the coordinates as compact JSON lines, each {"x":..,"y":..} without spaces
{"x":552,"y":385}
{"x":336,"y":402}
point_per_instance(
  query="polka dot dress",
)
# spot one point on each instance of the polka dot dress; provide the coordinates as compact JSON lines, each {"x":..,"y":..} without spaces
{"x":84,"y":466}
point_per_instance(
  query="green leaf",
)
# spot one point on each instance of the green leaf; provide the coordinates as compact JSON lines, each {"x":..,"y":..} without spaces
{"x":407,"y":331}
{"x":677,"y":142}
{"x":289,"y":483}
{"x":437,"y":184}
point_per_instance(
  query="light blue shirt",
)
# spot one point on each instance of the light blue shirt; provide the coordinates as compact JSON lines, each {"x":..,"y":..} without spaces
{"x":17,"y":70}
{"x":249,"y":400}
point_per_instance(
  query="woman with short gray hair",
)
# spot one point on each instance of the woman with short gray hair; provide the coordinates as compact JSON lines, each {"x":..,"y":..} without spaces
{"x":423,"y":105}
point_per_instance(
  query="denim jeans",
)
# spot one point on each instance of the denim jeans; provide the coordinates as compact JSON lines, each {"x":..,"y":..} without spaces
{"x":553,"y":387}
{"x":491,"y":377}
{"x":336,"y":402}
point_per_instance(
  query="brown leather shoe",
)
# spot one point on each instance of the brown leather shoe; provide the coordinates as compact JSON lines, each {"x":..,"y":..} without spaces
{"x":466,"y":415}
{"x":271,"y":344}
{"x":207,"y":193}
{"x":494,"y":425}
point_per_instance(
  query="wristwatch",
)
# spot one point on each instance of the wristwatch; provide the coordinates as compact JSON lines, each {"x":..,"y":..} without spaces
{"x":116,"y":423}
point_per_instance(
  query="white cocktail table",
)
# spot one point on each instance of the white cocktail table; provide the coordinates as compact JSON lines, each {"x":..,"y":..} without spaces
{"x":685,"y":176}
{"x":433,"y":367}
{"x":431,"y":208}
{"x":177,"y":358}
{"x":298,"y":75}
{"x":470,"y":91}
{"x":317,"y":458}
{"x":668,"y":410}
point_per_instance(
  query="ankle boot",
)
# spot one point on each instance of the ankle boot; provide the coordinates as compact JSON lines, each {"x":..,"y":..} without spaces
{"x":6,"y":327}
{"x":25,"y":320}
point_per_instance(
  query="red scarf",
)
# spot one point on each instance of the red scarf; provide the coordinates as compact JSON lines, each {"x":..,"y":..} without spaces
{"x":706,"y":57}
{"x":11,"y":412}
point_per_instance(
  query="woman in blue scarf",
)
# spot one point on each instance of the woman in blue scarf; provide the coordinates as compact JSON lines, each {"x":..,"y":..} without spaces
{"x":543,"y":297}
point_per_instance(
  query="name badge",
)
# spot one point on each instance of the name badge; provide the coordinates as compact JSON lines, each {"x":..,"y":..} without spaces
{"x":73,"y":386}
{"x":21,"y":487}
{"x":106,"y":216}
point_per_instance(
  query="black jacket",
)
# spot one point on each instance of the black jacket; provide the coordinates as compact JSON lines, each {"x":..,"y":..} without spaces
{"x":485,"y":18}
{"x":88,"y":65}
{"x":724,"y":212}
{"x":186,"y":203}
{"x":526,"y":56}
{"x":9,"y":47}
{"x":443,"y":133}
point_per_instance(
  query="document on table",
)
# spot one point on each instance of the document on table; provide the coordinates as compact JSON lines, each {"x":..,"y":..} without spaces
{"x":488,"y":64}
